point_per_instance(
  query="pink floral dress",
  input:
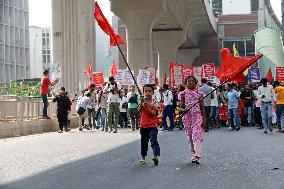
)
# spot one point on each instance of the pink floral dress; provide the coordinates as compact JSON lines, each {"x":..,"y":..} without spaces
{"x":193,"y":119}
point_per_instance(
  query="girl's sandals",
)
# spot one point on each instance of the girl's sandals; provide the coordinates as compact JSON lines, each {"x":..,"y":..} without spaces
{"x":142,"y":161}
{"x":195,"y":160}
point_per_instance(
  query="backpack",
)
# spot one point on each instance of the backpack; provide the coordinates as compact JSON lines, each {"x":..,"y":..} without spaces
{"x":133,"y":98}
{"x":81,"y":111}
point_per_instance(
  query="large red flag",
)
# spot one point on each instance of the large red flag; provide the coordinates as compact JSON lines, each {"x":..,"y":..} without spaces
{"x":105,"y":26}
{"x":269,"y":75}
{"x":233,"y":66}
{"x":113,"y":70}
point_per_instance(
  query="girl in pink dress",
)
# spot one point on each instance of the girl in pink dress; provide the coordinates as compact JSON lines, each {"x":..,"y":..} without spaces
{"x":194,"y":119}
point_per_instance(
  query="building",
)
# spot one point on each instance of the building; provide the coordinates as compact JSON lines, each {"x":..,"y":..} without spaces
{"x":14,"y":40}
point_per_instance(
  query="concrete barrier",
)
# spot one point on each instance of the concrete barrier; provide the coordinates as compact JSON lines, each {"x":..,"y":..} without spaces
{"x":30,"y":127}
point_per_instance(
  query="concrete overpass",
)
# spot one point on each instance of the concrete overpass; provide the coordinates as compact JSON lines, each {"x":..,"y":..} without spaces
{"x":170,"y":23}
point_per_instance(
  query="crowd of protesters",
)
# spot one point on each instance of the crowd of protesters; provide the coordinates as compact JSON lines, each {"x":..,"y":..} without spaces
{"x":211,"y":106}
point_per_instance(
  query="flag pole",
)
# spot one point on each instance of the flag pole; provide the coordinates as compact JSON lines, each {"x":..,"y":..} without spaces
{"x":125,"y":61}
{"x":189,"y":108}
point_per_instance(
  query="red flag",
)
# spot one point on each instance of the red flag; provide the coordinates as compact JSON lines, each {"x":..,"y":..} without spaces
{"x":88,"y":71}
{"x":113,"y":70}
{"x":165,"y":79}
{"x":269,"y":75}
{"x":105,"y":26}
{"x":234,"y":66}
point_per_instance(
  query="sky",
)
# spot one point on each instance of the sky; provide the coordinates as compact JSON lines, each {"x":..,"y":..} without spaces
{"x":40,"y":11}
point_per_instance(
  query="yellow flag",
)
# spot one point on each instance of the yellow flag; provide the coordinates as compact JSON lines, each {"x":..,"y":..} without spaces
{"x":235,"y":50}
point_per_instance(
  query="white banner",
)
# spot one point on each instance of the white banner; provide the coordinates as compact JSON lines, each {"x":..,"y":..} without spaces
{"x":178,"y":75}
{"x":55,"y":71}
{"x":152,"y":79}
{"x":143,"y":77}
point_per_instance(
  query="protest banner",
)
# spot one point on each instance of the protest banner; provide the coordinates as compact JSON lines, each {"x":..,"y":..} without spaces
{"x":143,"y":77}
{"x":198,"y":74}
{"x":98,"y":78}
{"x":55,"y":71}
{"x":119,"y":76}
{"x":176,"y":74}
{"x":152,"y":78}
{"x":127,"y":80}
{"x":280,"y":73}
{"x":208,"y":70}
{"x":254,"y":75}
{"x":187,"y":71}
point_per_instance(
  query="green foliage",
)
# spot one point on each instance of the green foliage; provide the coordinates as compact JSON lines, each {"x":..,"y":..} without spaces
{"x":25,"y":87}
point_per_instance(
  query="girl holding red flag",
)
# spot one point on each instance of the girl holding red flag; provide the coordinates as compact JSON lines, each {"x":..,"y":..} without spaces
{"x":194,"y":121}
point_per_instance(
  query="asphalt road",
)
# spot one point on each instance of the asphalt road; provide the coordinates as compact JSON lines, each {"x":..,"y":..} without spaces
{"x":246,"y":159}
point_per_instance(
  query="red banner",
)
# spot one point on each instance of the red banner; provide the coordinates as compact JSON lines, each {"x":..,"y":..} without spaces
{"x":208,"y":70}
{"x":98,"y":78}
{"x":280,"y":73}
{"x":187,"y":71}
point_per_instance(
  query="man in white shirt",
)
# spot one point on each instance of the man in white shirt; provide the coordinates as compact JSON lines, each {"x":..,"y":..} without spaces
{"x":267,"y":95}
{"x":82,"y":105}
{"x":168,"y":108}
{"x":214,"y":105}
{"x":113,"y":90}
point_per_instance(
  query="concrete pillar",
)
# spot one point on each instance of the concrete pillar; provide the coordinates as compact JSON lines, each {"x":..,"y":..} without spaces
{"x":139,"y":19}
{"x":73,"y":40}
{"x":167,"y":43}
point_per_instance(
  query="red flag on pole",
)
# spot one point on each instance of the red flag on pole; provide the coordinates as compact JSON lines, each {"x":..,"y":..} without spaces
{"x":105,"y":26}
{"x":233,"y":66}
{"x":113,"y":70}
{"x":88,"y":71}
{"x":269,"y":75}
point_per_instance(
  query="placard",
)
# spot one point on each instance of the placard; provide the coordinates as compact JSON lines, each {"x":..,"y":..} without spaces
{"x":254,"y":75}
{"x":187,"y":71}
{"x":280,"y":73}
{"x":128,"y":80}
{"x":98,"y":78}
{"x":152,"y":78}
{"x":55,"y":71}
{"x":208,"y":70}
{"x":143,"y":77}
{"x":119,"y":76}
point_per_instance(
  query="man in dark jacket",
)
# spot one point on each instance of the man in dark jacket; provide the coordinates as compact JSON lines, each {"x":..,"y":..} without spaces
{"x":63,"y":107}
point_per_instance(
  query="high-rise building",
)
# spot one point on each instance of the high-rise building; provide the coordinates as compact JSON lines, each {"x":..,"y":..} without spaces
{"x":14,"y":40}
{"x":39,"y":50}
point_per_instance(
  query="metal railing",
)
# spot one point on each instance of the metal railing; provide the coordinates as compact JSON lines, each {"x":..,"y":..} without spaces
{"x":14,"y":108}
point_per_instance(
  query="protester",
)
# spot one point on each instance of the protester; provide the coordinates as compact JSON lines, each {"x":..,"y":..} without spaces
{"x":63,"y":108}
{"x":82,"y":108}
{"x":44,"y":85}
{"x":113,"y":89}
{"x":214,"y":105}
{"x":267,"y":96}
{"x":233,"y":104}
{"x":194,"y":120}
{"x":279,"y":93}
{"x":205,"y":89}
{"x":123,"y":119}
{"x":168,"y":108}
{"x":148,"y":124}
{"x":221,"y":102}
{"x":247,"y":97}
{"x":92,"y":110}
{"x":102,"y":109}
{"x":133,"y":99}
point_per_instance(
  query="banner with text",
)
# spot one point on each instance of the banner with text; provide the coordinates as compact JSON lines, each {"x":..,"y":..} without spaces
{"x":254,"y":75}
{"x":152,"y":79}
{"x":187,"y":71}
{"x":280,"y":73}
{"x":208,"y":70}
{"x":143,"y":77}
{"x":98,"y":78}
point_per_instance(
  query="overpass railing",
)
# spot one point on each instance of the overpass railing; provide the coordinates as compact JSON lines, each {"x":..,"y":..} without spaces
{"x":15,"y":108}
